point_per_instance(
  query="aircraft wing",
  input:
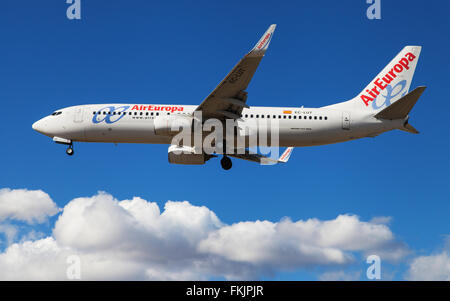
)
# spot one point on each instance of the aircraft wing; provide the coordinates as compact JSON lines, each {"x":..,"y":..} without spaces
{"x":229,"y":97}
{"x":254,"y":157}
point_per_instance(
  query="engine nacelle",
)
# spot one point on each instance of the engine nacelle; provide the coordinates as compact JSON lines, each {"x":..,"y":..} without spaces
{"x":171,"y":124}
{"x":186,"y":155}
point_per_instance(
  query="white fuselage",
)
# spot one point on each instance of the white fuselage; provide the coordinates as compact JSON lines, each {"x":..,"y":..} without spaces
{"x":131,"y":123}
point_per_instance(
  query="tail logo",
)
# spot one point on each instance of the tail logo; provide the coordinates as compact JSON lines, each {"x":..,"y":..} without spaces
{"x":398,"y":88}
{"x":381,"y":84}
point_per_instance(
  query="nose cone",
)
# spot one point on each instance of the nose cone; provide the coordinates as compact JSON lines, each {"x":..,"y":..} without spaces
{"x":38,"y":126}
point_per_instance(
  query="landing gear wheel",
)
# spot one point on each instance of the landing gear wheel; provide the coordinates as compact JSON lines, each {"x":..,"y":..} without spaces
{"x":226,"y":163}
{"x":70,"y":151}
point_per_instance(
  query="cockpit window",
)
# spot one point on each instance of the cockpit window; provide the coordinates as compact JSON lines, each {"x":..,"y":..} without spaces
{"x":56,"y":113}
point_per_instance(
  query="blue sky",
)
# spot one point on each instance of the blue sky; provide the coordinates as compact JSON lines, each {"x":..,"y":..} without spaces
{"x":177,"y":52}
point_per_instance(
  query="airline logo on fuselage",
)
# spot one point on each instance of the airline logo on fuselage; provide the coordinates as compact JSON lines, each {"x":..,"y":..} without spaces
{"x":112,"y":114}
{"x":157,"y":108}
{"x":381,"y":83}
{"x":109,"y":114}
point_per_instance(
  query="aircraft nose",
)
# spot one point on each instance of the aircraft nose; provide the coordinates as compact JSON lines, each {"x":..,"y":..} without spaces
{"x":38,"y":126}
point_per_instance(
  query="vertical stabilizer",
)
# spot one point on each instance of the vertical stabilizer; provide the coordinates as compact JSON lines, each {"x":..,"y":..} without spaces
{"x":391,"y":84}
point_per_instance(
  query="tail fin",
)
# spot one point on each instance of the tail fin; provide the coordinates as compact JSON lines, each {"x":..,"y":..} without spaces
{"x":389,"y":86}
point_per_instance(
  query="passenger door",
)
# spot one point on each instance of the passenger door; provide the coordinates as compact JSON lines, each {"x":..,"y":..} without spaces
{"x":78,"y":117}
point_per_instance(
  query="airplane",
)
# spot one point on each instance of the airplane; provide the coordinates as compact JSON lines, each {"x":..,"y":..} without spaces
{"x":382,"y":106}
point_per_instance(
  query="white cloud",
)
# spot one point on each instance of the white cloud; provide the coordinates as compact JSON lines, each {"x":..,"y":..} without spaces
{"x":9,"y":231}
{"x":31,"y":206}
{"x":303,"y":243}
{"x":433,"y":267}
{"x":132,"y":239}
{"x":300,"y":243}
{"x":33,"y":260}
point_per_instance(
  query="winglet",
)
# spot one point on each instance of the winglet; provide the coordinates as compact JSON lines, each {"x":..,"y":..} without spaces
{"x":286,"y":155}
{"x":263,"y":43}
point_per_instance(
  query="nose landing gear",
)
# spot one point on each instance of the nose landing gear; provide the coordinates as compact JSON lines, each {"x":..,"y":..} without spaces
{"x":69,"y":150}
{"x":67,"y":142}
{"x":226,"y":163}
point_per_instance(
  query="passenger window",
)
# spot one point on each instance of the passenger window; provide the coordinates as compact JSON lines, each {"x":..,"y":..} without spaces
{"x":315,"y":117}
{"x":289,"y":117}
{"x":251,"y":115}
{"x":268,"y":116}
{"x":257,"y":116}
{"x":320,"y":117}
{"x":284,"y":116}
{"x":326,"y":118}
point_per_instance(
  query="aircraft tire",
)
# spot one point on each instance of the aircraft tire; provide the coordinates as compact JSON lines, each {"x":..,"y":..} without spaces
{"x":226,"y":163}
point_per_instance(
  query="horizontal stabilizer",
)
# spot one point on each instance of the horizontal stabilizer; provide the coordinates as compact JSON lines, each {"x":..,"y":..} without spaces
{"x":410,"y":129}
{"x":401,"y":108}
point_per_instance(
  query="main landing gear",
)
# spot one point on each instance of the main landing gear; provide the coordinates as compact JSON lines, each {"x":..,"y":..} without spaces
{"x":69,"y":150}
{"x":226,"y":163}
